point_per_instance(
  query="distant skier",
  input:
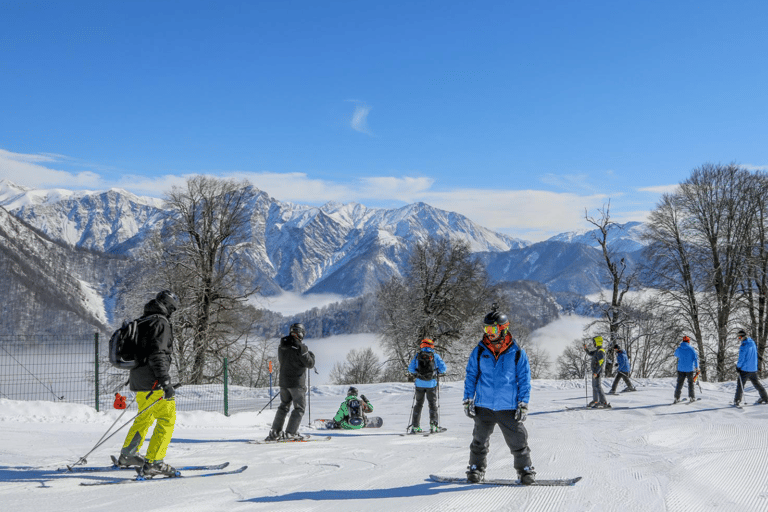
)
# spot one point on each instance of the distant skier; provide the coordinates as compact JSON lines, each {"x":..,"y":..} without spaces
{"x":687,"y":366}
{"x":151,"y":381}
{"x":294,"y":358}
{"x":747,"y":368}
{"x":497,"y":388}
{"x":598,"y":360}
{"x":622,"y":372}
{"x":351,"y":413}
{"x":426,"y":365}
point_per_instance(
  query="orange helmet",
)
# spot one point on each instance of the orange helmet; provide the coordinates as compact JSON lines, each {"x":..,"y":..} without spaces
{"x":427,"y":343}
{"x":686,"y":338}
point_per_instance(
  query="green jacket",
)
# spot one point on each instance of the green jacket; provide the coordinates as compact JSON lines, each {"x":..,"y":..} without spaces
{"x":343,"y":416}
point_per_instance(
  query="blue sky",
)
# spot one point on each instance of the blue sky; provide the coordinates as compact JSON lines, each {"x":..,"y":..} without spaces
{"x":519,"y":115}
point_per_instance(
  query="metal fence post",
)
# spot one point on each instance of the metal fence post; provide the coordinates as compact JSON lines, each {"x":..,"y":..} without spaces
{"x":226,"y":387}
{"x":96,"y":368}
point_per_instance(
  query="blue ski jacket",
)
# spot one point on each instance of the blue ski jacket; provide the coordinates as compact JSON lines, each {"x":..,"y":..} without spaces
{"x":687,"y":358}
{"x":498,"y":384}
{"x":747,"y":356}
{"x":440,"y":368}
{"x":623,"y":361}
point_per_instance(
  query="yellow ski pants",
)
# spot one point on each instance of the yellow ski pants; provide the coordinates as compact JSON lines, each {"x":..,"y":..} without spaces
{"x":164,"y":412}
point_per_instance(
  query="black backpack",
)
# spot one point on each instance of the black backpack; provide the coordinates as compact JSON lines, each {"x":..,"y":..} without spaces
{"x":425,"y":365}
{"x":125,"y":347}
{"x":355,"y":412}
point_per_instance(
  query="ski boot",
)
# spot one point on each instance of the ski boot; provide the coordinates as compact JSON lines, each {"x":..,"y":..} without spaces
{"x":761,"y":401}
{"x":475,"y":474}
{"x":676,"y":400}
{"x":293,"y":437}
{"x":128,"y":459}
{"x":527,"y":475}
{"x":433,"y":427}
{"x":158,"y":467}
{"x":274,"y":435}
{"x":415,"y":430}
{"x":603,"y":405}
{"x":592,"y":404}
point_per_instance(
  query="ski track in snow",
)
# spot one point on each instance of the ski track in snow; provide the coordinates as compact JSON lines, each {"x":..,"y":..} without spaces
{"x":648,"y":456}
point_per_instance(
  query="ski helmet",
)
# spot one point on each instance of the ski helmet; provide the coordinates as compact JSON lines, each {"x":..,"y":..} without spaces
{"x":495,"y":322}
{"x":298,"y":330}
{"x":427,"y":343}
{"x":168,"y":300}
{"x":352,"y":391}
{"x":598,"y":341}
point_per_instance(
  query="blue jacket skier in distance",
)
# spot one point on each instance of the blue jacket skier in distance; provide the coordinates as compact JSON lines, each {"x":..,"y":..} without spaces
{"x":497,"y":388}
{"x":425,"y":387}
{"x":747,"y":368}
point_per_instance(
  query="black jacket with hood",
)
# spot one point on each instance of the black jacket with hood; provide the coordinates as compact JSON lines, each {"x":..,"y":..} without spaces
{"x":156,"y":340}
{"x":295,"y":357}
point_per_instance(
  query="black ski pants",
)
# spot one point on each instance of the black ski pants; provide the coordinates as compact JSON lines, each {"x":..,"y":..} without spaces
{"x":288,"y":396}
{"x":681,"y":377}
{"x":514,"y":432}
{"x":431,"y":394}
{"x":620,"y":376}
{"x":751,"y":377}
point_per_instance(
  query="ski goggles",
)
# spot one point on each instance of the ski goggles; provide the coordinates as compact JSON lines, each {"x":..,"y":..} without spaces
{"x":495,"y":329}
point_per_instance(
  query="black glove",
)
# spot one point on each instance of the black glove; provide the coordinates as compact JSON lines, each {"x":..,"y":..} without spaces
{"x":469,"y":407}
{"x":168,"y":391}
{"x":363,"y":397}
{"x":522,"y":411}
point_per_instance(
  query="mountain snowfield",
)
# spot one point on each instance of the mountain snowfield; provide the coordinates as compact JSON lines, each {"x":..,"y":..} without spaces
{"x":642,"y":455}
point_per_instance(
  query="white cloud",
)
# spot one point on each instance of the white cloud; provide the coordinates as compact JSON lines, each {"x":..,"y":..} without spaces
{"x":660,"y":189}
{"x":27,"y":170}
{"x":359,"y":120}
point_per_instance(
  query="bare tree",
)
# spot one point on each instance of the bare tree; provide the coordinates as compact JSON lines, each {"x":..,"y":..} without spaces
{"x":362,"y":367}
{"x":205,"y":232}
{"x":440,"y":297}
{"x":572,"y":363}
{"x":621,"y":280}
{"x":700,"y":244}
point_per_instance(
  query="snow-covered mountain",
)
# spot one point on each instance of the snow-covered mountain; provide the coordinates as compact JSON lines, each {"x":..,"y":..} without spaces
{"x":340,"y":248}
{"x":621,"y":237}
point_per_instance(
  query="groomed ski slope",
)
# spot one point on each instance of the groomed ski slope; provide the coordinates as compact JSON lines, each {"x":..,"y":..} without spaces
{"x":650,"y":456}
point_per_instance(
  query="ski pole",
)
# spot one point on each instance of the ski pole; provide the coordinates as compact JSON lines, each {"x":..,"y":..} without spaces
{"x":105,"y":439}
{"x":743,"y":388}
{"x":413,"y":404}
{"x":438,"y":399}
{"x":270,"y":401}
{"x":696,"y":380}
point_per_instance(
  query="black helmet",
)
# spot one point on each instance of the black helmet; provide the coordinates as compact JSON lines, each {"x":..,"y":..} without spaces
{"x":494,"y":317}
{"x":299,"y":330}
{"x":168,"y":300}
{"x":352,"y":391}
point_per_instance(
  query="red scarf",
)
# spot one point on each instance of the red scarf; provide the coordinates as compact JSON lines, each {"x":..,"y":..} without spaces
{"x":497,"y":348}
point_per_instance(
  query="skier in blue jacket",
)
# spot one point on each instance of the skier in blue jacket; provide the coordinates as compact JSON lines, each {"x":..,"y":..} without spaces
{"x":497,"y":388}
{"x":687,"y":365}
{"x":426,"y":374}
{"x":622,"y":372}
{"x":747,"y":368}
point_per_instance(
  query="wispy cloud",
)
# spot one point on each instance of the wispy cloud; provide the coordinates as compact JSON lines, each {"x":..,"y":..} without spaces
{"x":39,"y":171}
{"x":660,"y":189}
{"x":359,"y":120}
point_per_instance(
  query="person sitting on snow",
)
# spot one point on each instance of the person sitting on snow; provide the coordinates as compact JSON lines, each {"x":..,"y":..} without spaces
{"x":351,"y":413}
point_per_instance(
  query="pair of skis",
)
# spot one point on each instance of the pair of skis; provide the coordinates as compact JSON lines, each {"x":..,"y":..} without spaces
{"x":306,"y":438}
{"x":216,"y":468}
{"x":426,"y":433}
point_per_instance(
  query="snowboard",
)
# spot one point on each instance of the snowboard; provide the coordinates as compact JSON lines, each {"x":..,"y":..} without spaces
{"x":508,"y":483}
{"x":370,"y":422}
{"x":307,"y":439}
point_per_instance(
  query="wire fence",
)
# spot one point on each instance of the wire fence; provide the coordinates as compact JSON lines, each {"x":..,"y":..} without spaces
{"x":76,"y":369}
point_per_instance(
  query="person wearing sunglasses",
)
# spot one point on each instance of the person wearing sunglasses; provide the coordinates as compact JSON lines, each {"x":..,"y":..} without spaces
{"x":497,"y":389}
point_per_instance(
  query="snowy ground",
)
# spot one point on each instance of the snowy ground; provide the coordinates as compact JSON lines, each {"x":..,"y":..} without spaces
{"x":644,"y":455}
